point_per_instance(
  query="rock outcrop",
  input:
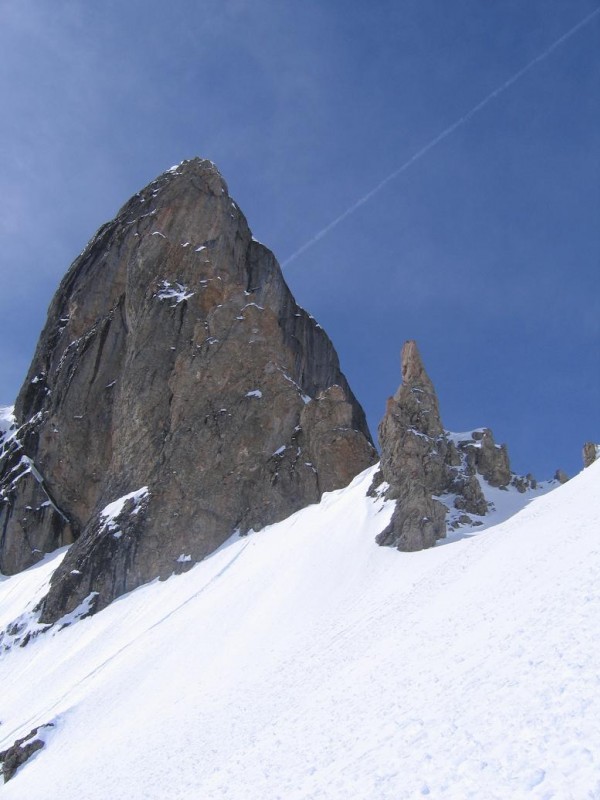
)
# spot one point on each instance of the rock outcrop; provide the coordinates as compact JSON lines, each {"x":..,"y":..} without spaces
{"x":178,"y":394}
{"x":430,"y":471}
{"x":21,"y":751}
{"x":591,"y":452}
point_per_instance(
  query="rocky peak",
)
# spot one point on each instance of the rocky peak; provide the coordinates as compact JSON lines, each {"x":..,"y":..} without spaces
{"x":178,"y":394}
{"x":416,"y":395}
{"x":414,"y":376}
{"x":591,"y":453}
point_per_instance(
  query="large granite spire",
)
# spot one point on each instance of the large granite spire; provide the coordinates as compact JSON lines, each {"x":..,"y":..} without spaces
{"x":178,"y":394}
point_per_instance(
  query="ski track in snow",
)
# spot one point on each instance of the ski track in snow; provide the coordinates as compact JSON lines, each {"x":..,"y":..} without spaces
{"x":305,"y":663}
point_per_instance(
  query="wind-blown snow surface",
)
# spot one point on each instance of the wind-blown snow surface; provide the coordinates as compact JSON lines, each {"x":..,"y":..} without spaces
{"x":304,"y":662}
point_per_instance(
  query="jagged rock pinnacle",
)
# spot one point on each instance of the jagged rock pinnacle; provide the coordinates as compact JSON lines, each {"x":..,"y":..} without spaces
{"x":422,"y":463}
{"x":416,"y":393}
{"x":406,"y":434}
{"x":413,"y":370}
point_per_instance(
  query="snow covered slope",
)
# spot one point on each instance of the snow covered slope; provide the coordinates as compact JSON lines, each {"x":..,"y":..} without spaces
{"x":304,"y":662}
{"x":7,"y":422}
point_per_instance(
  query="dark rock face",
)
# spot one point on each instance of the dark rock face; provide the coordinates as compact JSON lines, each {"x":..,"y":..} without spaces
{"x":177,"y":394}
{"x":422,"y":463}
{"x":26,"y":503}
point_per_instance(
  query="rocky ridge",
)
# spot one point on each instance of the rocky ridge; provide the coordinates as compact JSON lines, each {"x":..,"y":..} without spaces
{"x":436,"y":477}
{"x":178,"y":395}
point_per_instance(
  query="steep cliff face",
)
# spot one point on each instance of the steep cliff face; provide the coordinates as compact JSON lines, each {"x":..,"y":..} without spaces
{"x":435,"y":476}
{"x":177,"y":394}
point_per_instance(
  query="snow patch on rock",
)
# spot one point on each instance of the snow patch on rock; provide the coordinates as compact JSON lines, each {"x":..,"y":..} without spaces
{"x":173,"y":291}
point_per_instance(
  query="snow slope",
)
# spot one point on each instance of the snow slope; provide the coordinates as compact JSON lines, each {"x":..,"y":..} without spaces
{"x":7,"y":422}
{"x":305,"y":662}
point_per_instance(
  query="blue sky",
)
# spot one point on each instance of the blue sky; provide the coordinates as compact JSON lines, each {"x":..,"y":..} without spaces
{"x":486,"y":250}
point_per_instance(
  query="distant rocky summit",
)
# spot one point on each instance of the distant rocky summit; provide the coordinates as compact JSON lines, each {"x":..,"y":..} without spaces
{"x":591,"y":453}
{"x":435,"y":476}
{"x":178,"y":394}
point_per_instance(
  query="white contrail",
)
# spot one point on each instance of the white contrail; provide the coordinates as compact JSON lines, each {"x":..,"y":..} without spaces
{"x":441,"y":136}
